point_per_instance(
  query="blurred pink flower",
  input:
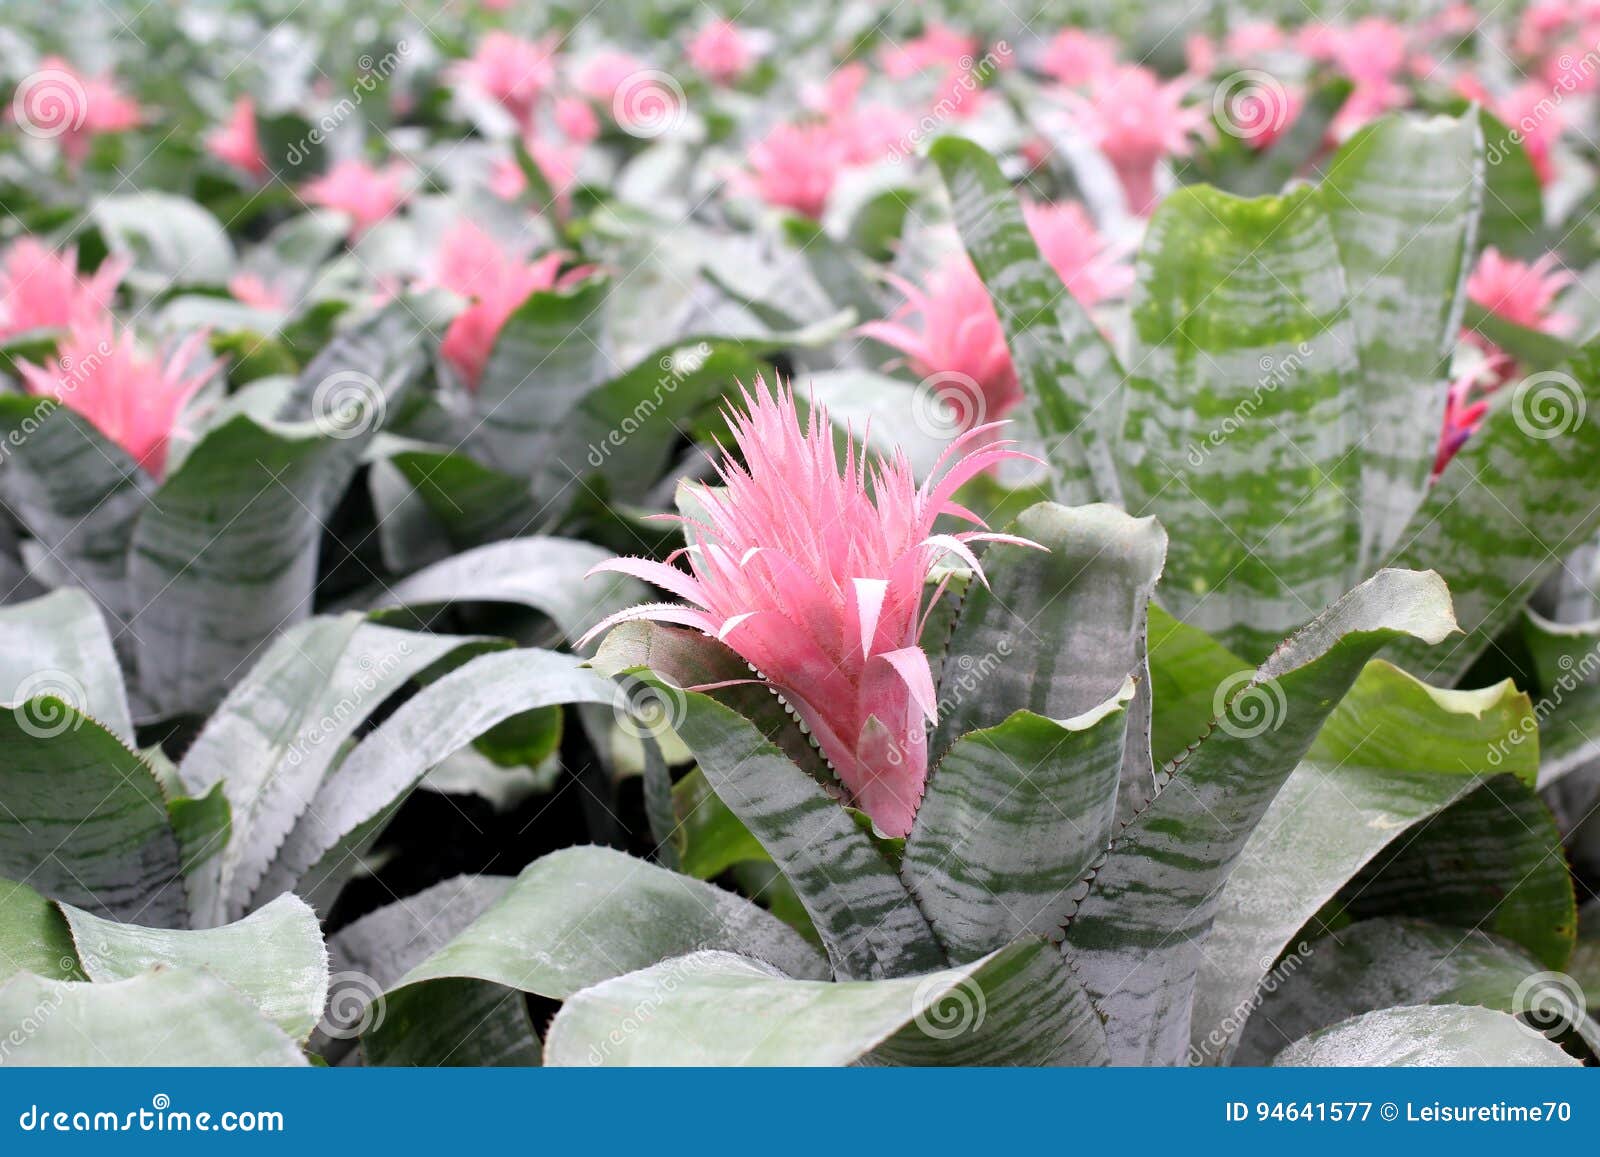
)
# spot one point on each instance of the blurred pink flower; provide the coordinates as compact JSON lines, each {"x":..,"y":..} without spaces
{"x":815,"y":576}
{"x":41,"y":289}
{"x":939,"y":46}
{"x":1519,"y":291}
{"x":57,"y":101}
{"x":1253,"y":38}
{"x":1200,"y":54}
{"x":1081,"y":257}
{"x":603,"y":73}
{"x":1074,"y":57}
{"x":367,"y":194}
{"x":1462,"y":417}
{"x":576,"y":119}
{"x":496,"y":281}
{"x":252,"y":289}
{"x":1138,"y":120}
{"x":721,"y":52}
{"x":1535,"y":116}
{"x":129,"y":395}
{"x":510,"y":71}
{"x":795,"y":166}
{"x":237,"y":142}
{"x":958,"y":341}
{"x":1261,"y":113}
{"x":1372,"y":53}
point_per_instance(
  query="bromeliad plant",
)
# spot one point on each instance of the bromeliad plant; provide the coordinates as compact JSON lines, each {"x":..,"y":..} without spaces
{"x":1058,"y":890}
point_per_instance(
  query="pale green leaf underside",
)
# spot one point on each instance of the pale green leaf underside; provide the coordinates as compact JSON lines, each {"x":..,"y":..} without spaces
{"x":167,"y":1018}
{"x":274,"y":957}
{"x":1427,"y":1036}
{"x":1020,"y":1005}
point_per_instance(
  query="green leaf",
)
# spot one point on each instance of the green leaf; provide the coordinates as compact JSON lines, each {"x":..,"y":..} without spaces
{"x":1513,"y":202}
{"x":34,"y":936}
{"x":548,"y":355}
{"x":1493,"y":860}
{"x":1187,"y":669}
{"x":1533,"y":349}
{"x":59,"y":645}
{"x":1068,"y":369}
{"x":388,"y":763}
{"x":868,"y":921}
{"x":274,"y":957}
{"x":170,"y":239}
{"x":1137,"y":936}
{"x":472,"y":502}
{"x":226,"y":555}
{"x":1056,"y":632}
{"x":77,"y":492}
{"x":1239,"y":416}
{"x":1380,"y":963}
{"x":84,"y":820}
{"x":1020,"y":1005}
{"x":1012,"y":818}
{"x":1393,"y":753}
{"x":572,"y":919}
{"x":1403,"y":197}
{"x":271,"y":743}
{"x":163,"y":1018}
{"x":1450,"y":1035}
{"x":709,"y":836}
{"x":545,"y":573}
{"x":1518,"y":497}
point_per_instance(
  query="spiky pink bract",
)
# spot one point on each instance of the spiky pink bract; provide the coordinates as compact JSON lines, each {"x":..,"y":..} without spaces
{"x":41,"y":289}
{"x":237,"y":142}
{"x":366,"y":194}
{"x":131,"y":396}
{"x":816,"y":576}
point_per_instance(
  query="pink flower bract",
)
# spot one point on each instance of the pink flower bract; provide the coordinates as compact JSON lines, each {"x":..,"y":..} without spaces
{"x":129,"y":395}
{"x":795,"y":166}
{"x":1138,"y":120}
{"x":1519,"y":291}
{"x":40,"y":289}
{"x":510,"y":71}
{"x":815,"y":575}
{"x":365,"y":193}
{"x":237,"y":142}
{"x":720,"y":52}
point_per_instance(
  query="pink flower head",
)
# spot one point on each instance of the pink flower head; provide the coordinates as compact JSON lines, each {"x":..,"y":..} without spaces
{"x":1074,"y":57}
{"x":1074,"y":248}
{"x":795,"y":167}
{"x":1138,"y":120}
{"x":40,"y":289}
{"x":1462,"y":417}
{"x":1200,"y":54}
{"x":1261,"y":113}
{"x":576,"y":119}
{"x":253,"y":289}
{"x":1254,"y":38}
{"x":1530,"y":110}
{"x":366,"y":193}
{"x":959,"y":342}
{"x":509,"y":70}
{"x":815,"y":576}
{"x":237,"y":142}
{"x":939,"y":46}
{"x":130,"y":396}
{"x":605,"y":72}
{"x":1519,"y":291}
{"x":721,"y":52}
{"x":1372,"y":49}
{"x":56,"y":100}
{"x":496,"y":282}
